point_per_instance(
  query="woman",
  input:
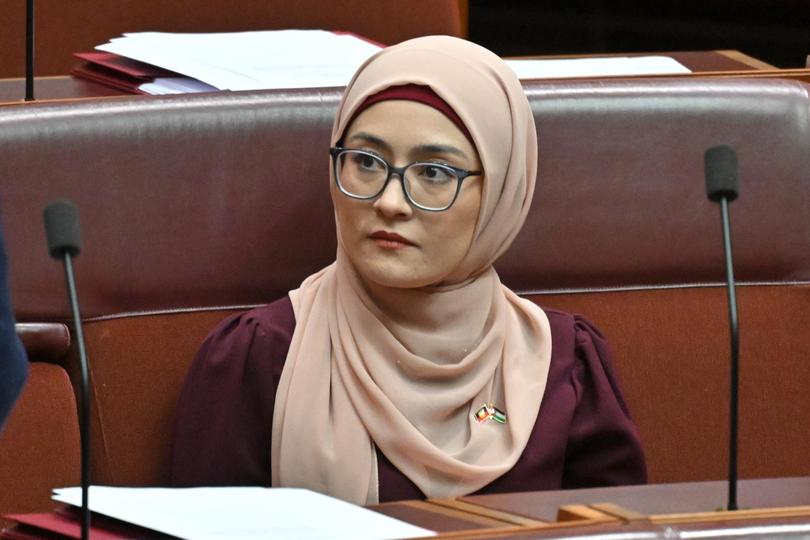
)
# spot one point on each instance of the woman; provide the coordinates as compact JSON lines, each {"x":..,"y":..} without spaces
{"x":406,"y":369}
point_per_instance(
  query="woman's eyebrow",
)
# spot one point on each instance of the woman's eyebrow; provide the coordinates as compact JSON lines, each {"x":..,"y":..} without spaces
{"x":371,"y":139}
{"x":430,"y":148}
{"x":440,"y":149}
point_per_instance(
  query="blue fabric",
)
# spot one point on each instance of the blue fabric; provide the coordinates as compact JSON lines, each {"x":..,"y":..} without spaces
{"x":13,"y":362}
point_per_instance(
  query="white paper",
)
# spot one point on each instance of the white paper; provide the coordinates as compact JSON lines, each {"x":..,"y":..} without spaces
{"x":251,"y":60}
{"x":596,"y":67}
{"x":175,"y":85}
{"x":317,"y":58}
{"x":241,"y":513}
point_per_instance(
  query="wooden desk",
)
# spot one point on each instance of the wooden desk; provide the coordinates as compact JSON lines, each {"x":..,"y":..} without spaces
{"x":712,"y":64}
{"x":50,"y":88}
{"x":665,"y":511}
{"x":651,"y":509}
{"x":720,"y":63}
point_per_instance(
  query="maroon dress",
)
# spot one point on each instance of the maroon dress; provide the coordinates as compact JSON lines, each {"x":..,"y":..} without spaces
{"x":583,"y":436}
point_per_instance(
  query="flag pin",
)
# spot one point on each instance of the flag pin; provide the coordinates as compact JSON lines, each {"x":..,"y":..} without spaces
{"x":489,"y":412}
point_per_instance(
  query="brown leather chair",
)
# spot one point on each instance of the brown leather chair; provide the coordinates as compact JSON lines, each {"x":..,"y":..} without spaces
{"x":39,"y":447}
{"x":80,"y":25}
{"x":194,"y":207}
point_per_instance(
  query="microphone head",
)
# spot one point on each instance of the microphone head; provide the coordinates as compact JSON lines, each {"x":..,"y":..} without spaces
{"x":721,"y":173}
{"x":62,"y":228}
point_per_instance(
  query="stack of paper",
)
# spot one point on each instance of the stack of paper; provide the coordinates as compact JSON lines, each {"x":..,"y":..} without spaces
{"x":243,"y":60}
{"x":165,"y":63}
{"x":133,"y":76}
{"x":241,"y":513}
{"x":618,"y":66}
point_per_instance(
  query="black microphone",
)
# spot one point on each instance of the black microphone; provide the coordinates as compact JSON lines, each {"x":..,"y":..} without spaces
{"x":29,"y":50}
{"x":64,"y":242}
{"x":721,"y":187}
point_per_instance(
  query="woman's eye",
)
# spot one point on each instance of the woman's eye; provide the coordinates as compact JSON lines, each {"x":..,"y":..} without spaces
{"x":436,"y":174}
{"x":367,"y":162}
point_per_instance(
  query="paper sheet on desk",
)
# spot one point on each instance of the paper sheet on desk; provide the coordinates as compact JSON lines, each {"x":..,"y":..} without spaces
{"x":251,"y":60}
{"x":175,"y":85}
{"x":241,"y":513}
{"x":596,"y":67}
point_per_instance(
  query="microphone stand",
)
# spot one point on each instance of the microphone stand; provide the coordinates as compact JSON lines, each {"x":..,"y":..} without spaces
{"x":64,"y":242}
{"x":29,"y":50}
{"x":722,"y":187}
{"x":735,"y":358}
{"x":85,"y":391}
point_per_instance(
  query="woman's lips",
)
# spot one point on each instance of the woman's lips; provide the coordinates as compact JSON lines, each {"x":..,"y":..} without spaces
{"x":390,"y":240}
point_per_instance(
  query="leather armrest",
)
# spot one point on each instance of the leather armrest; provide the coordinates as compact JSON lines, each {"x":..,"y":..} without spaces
{"x":46,"y":342}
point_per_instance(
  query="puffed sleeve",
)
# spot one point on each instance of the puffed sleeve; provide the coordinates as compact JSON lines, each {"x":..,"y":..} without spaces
{"x":604,"y":447}
{"x":224,"y":417}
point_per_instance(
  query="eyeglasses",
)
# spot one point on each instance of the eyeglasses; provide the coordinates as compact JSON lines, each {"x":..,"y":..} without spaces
{"x":427,"y":185}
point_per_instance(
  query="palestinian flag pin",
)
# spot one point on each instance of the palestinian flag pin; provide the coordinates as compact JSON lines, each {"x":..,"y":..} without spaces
{"x":489,"y":412}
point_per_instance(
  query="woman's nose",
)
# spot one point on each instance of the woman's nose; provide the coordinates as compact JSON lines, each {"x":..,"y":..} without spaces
{"x":392,"y":201}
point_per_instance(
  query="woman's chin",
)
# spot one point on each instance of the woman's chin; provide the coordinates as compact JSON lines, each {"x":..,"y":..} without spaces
{"x":394,"y":276}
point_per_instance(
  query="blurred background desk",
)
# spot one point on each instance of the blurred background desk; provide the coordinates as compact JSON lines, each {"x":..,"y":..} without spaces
{"x":49,"y":88}
{"x":720,"y":63}
{"x":775,"y":30}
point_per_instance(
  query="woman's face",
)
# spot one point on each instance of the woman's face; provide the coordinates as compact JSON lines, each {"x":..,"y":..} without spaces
{"x":390,"y":242}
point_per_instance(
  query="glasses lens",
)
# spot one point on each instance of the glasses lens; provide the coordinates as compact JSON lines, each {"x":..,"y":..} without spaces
{"x":431,"y":185}
{"x":360,"y":174}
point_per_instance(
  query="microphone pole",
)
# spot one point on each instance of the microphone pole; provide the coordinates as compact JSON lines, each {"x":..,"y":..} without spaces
{"x":722,"y":187}
{"x":29,"y":50}
{"x":64,"y":243}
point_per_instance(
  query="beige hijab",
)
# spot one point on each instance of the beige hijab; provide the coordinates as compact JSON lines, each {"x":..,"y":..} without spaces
{"x":405,"y":369}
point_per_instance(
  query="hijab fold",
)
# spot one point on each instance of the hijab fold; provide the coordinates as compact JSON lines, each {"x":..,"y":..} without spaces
{"x":405,"y":370}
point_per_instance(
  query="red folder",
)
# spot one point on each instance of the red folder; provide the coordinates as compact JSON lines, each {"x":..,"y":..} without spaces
{"x":65,"y":523}
{"x":125,"y":66}
{"x":117,"y":71}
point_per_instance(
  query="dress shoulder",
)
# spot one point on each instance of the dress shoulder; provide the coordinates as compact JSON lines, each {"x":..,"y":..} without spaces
{"x":224,"y":416}
{"x":604,"y":447}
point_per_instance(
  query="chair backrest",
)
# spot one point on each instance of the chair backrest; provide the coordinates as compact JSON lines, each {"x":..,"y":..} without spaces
{"x":195,"y":206}
{"x":82,"y":24}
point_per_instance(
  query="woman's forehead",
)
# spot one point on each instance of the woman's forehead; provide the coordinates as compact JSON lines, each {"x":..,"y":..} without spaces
{"x":411,"y":125}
